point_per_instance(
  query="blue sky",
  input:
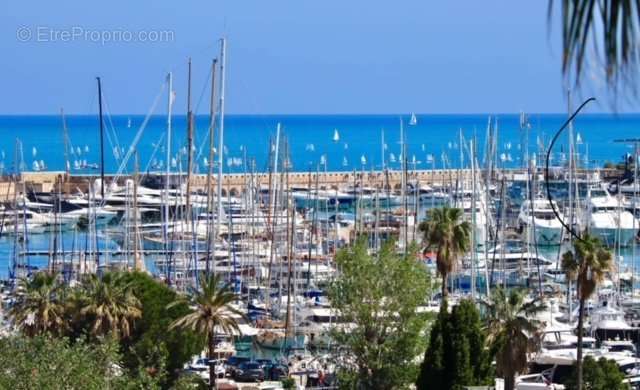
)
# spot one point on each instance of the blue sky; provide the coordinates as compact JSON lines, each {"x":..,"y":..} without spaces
{"x":287,"y":56}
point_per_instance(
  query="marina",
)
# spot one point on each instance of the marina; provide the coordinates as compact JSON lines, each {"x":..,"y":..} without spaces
{"x":346,"y":195}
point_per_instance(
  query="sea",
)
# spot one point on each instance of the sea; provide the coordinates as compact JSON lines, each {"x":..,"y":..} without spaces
{"x":311,"y":142}
{"x":307,"y":143}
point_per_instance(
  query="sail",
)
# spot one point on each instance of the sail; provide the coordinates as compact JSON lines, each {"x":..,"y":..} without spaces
{"x":336,"y":135}
{"x":413,"y":121}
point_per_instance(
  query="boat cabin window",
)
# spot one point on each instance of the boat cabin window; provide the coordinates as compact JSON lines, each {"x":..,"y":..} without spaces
{"x":603,"y":209}
{"x":546,"y":215}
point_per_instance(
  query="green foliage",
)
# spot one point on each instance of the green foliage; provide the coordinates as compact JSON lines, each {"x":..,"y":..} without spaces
{"x":513,"y":331}
{"x":379,"y":295}
{"x":39,"y":307}
{"x":55,"y":363}
{"x":130,"y":307}
{"x":602,"y":374}
{"x":288,"y":383}
{"x":190,"y":381}
{"x":588,"y":265}
{"x":110,"y":305}
{"x":447,"y":233}
{"x":210,"y":309}
{"x":152,"y":346}
{"x":456,"y":356}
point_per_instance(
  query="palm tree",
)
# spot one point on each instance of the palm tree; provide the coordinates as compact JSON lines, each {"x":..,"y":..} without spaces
{"x":611,"y":29}
{"x":111,"y":306}
{"x":512,"y":331}
{"x":38,"y":308}
{"x":450,"y":236}
{"x":587,"y":265}
{"x":210,"y":310}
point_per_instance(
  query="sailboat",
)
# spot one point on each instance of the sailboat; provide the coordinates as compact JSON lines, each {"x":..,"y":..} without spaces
{"x":392,"y":158}
{"x":34,"y":151}
{"x":413,"y":121}
{"x":336,"y":135}
{"x":363,"y":160}
{"x":578,"y":139}
{"x":345,"y":163}
{"x":129,"y":123}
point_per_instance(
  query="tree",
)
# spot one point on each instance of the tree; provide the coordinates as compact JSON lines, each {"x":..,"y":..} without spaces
{"x":378,"y":296}
{"x":450,"y":236}
{"x":152,"y":345}
{"x":38,"y":308}
{"x":599,"y":374}
{"x":210,"y":311}
{"x":610,"y":28}
{"x":55,"y":363}
{"x":587,"y":266}
{"x":513,"y":331}
{"x":111,"y":307}
{"x":456,"y":356}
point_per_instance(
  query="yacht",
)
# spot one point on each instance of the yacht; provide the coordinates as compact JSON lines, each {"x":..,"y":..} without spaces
{"x":538,"y":222}
{"x":608,"y":322}
{"x":606,"y":217}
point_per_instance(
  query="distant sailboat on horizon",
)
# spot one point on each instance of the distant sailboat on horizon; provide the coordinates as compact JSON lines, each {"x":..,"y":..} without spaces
{"x":336,"y":135}
{"x":128,"y":123}
{"x":413,"y":121}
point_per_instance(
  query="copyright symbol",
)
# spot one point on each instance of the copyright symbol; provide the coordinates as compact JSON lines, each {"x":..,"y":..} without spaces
{"x":23,"y":34}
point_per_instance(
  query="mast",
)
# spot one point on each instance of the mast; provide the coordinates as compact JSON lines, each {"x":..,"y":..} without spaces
{"x":101,"y":138}
{"x":65,"y":140}
{"x":382,"y":147}
{"x":138,"y":262}
{"x":223,"y":49}
{"x":212,"y":124}
{"x":165,"y":225}
{"x":189,"y":143}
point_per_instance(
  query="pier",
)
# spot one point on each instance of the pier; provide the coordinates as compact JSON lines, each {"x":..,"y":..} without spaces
{"x":234,"y":183}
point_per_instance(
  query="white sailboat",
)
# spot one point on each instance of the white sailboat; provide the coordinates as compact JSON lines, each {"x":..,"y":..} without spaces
{"x":129,"y":123}
{"x":345,"y":163}
{"x":363,"y":160}
{"x":413,"y":121}
{"x":336,"y":135}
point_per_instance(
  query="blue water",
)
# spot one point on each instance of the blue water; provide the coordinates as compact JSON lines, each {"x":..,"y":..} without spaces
{"x":249,"y":136}
{"x":309,"y":137}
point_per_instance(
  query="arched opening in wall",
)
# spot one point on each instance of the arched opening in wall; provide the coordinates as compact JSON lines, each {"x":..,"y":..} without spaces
{"x":224,"y":192}
{"x":397,"y":186}
{"x":234,"y":191}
